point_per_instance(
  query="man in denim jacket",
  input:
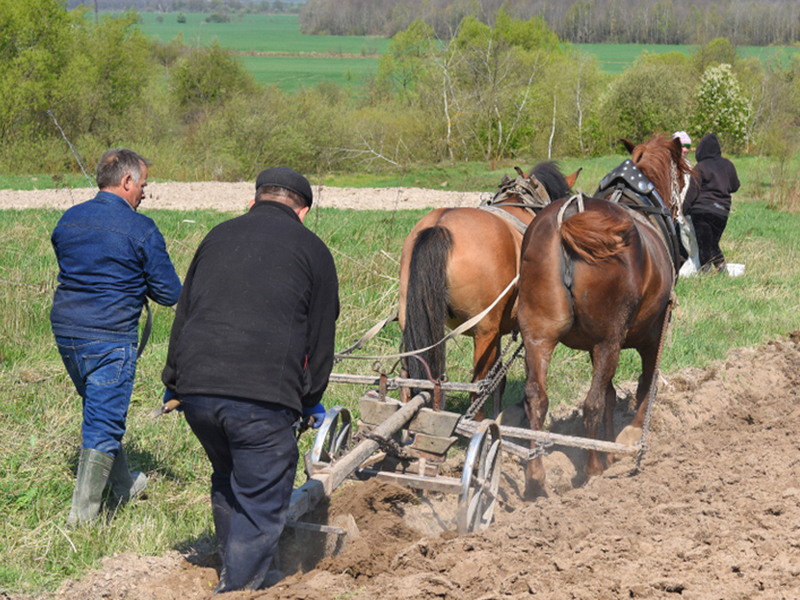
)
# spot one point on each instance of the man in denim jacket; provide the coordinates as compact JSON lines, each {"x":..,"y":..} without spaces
{"x":110,"y":260}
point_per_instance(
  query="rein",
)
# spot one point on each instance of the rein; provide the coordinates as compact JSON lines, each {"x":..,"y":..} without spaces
{"x":457,"y":331}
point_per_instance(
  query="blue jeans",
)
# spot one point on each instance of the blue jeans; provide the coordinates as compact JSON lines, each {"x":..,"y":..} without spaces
{"x":253,"y":451}
{"x":103,"y":374}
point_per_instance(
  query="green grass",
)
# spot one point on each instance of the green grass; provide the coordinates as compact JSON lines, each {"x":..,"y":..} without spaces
{"x":264,"y":41}
{"x":293,"y":72}
{"x":40,"y":412}
{"x":279,"y":34}
{"x":615,"y":58}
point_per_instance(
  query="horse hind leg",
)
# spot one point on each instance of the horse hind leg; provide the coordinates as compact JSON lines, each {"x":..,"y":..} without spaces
{"x":537,"y":362}
{"x":599,"y":403}
{"x":486,"y":353}
{"x":632,"y":433}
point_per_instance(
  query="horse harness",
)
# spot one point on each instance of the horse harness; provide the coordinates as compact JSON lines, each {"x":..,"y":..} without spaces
{"x":527,"y":193}
{"x":627,"y":186}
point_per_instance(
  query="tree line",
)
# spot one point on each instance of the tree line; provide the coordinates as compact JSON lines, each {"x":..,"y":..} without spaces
{"x":193,"y":6}
{"x":509,"y":89}
{"x":690,"y":22}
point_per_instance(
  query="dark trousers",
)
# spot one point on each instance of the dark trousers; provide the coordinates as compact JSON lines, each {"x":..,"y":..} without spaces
{"x":709,"y":228}
{"x":253,"y":451}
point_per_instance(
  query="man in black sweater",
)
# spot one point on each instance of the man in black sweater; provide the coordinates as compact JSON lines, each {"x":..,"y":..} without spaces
{"x":251,"y":350}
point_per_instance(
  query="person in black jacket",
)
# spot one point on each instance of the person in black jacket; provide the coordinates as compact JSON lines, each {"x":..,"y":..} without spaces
{"x":708,"y":201}
{"x":251,"y":350}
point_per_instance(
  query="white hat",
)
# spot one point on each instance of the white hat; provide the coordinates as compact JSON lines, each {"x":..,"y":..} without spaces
{"x":683,"y":137}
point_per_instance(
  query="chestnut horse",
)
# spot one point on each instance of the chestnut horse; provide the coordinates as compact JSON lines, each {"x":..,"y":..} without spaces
{"x":598,"y":276}
{"x":457,"y":261}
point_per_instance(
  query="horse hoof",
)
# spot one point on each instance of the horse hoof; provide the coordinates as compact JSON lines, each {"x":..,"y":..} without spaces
{"x":534,"y":490}
{"x":630,"y":435}
{"x":514,"y":416}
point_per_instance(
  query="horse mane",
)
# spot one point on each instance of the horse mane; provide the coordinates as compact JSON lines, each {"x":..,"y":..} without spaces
{"x":596,"y":237}
{"x":553,"y":180}
{"x":660,"y":159}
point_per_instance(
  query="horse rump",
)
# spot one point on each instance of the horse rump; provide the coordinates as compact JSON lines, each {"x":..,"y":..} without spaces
{"x":595,"y":236}
{"x":427,"y":302}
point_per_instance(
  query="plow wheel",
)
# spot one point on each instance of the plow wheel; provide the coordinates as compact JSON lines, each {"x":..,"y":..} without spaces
{"x":480,"y":480}
{"x":334,"y":437}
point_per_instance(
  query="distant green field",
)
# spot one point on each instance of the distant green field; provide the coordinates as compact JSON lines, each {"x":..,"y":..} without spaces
{"x":293,"y":72}
{"x":259,"y":33}
{"x":615,"y":58}
{"x":341,"y":60}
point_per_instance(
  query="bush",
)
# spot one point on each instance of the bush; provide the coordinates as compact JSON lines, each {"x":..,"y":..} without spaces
{"x":639,"y":103}
{"x":208,"y":77}
{"x":720,"y":108}
{"x":218,"y":18}
{"x":181,"y":18}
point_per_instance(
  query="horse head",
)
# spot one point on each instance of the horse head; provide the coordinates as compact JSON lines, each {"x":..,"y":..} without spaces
{"x":661,"y":161}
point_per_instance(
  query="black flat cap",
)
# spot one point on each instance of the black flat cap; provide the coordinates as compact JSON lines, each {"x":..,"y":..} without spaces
{"x":286,"y":178}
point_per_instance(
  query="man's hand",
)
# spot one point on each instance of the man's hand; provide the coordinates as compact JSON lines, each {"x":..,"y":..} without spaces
{"x":315,"y":415}
{"x":171,"y":402}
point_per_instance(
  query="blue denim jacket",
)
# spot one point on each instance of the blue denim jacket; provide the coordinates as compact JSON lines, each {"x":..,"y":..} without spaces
{"x":110,"y":259}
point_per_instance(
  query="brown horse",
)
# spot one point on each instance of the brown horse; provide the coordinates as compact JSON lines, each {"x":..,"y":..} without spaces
{"x":598,"y":277}
{"x":457,"y":261}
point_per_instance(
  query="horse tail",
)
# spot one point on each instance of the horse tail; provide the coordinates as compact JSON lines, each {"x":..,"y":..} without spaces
{"x":596,"y":237}
{"x":426,"y":301}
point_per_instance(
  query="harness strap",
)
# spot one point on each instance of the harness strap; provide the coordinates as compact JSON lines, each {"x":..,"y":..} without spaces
{"x":516,"y":222}
{"x":659,"y":217}
{"x":148,"y":328}
{"x":529,"y":193}
{"x":578,"y":199}
{"x":373,"y":331}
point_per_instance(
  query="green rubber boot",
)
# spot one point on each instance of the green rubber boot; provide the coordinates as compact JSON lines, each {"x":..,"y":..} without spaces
{"x":125,"y":486}
{"x":94,"y":468}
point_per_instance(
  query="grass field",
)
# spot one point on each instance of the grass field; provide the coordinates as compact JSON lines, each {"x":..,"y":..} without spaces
{"x":293,"y":72}
{"x":344,"y":59}
{"x":279,"y":34}
{"x":40,"y":411}
{"x":754,"y":172}
{"x":615,"y":58}
{"x":288,"y":58}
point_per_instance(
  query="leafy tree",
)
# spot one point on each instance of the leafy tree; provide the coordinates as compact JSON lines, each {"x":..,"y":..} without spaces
{"x":493,"y":77}
{"x":716,"y":52}
{"x":106,"y":77}
{"x":649,"y":97}
{"x":218,"y":18}
{"x":208,"y":77}
{"x":34,"y":51}
{"x":401,"y":67}
{"x":720,"y":107}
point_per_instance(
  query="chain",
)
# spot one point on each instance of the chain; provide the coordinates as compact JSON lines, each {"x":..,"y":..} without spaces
{"x":541,"y":449}
{"x":643,"y":446}
{"x":494,"y":377}
{"x":388,"y":445}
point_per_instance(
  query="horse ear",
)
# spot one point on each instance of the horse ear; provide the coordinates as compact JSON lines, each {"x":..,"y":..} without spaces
{"x":678,"y":146}
{"x":520,"y":172}
{"x":571,"y":179}
{"x":629,"y":145}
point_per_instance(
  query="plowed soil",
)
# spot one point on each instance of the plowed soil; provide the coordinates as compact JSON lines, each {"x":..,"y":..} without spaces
{"x":714,"y":512}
